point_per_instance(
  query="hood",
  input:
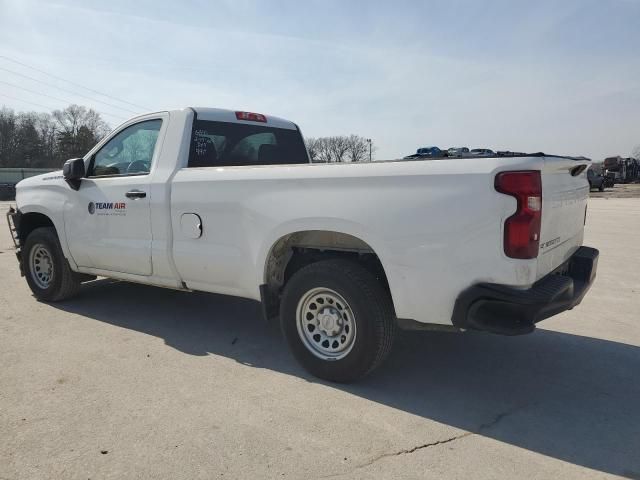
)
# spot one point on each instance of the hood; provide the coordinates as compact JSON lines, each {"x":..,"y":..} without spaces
{"x":39,"y":179}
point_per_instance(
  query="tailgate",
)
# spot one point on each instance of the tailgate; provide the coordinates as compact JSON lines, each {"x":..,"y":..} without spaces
{"x":564,"y":203}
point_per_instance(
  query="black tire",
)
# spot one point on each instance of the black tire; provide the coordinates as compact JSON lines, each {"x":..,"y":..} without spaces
{"x":373,"y":314}
{"x":63,"y":282}
{"x":601,"y":188}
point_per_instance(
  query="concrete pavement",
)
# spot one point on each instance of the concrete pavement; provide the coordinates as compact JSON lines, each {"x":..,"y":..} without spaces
{"x":130,"y":381}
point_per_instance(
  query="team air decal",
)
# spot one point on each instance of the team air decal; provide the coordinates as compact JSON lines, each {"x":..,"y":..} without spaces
{"x":107,"y":208}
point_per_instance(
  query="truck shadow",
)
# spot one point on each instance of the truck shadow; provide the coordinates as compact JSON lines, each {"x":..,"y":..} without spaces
{"x":573,"y":398}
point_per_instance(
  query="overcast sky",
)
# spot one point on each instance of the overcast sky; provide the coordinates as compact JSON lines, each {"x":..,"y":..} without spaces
{"x":554,"y":76}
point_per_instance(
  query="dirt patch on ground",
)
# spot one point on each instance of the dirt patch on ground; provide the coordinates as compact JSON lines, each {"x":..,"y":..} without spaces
{"x":629,"y":190}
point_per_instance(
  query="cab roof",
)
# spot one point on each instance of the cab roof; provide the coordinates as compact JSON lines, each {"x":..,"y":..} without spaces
{"x":222,"y":115}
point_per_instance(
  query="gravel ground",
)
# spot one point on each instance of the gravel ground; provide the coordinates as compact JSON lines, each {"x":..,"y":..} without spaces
{"x":130,"y":381}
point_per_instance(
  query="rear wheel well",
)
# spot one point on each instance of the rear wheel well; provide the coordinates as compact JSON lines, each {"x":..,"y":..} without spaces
{"x":305,"y":256}
{"x":297,"y":250}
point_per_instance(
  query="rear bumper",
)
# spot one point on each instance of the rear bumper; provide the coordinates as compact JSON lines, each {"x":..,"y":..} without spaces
{"x":511,"y":311}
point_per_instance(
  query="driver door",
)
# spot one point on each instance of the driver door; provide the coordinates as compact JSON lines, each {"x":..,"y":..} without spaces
{"x":108,"y":222}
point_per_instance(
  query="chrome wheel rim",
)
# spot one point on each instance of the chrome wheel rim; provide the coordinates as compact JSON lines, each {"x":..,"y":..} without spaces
{"x":41,"y":266}
{"x":326,"y":324}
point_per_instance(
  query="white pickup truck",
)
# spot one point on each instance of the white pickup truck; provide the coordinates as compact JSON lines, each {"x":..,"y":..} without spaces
{"x":228,"y":202}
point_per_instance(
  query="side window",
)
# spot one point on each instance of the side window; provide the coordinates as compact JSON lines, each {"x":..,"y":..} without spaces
{"x":130,"y":152}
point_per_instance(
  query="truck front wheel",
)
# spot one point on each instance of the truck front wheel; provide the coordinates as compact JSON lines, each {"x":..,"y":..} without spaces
{"x":337,"y":319}
{"x":45,"y":267}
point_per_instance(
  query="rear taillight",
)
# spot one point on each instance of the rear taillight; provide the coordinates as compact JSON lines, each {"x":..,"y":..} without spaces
{"x":522,"y":229}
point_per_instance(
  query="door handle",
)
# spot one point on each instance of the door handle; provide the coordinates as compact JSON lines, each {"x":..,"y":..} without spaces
{"x":135,"y":194}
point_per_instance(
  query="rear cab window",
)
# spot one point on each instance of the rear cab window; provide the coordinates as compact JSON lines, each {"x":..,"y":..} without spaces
{"x":225,"y":144}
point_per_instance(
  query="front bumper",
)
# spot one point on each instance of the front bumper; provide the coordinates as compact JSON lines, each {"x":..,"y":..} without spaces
{"x":511,"y":311}
{"x":13,"y":221}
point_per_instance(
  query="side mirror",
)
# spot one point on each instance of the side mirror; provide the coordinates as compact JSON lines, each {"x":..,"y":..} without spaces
{"x":73,"y":172}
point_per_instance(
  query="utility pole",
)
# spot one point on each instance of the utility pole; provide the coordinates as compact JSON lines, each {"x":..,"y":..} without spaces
{"x":369,"y":142}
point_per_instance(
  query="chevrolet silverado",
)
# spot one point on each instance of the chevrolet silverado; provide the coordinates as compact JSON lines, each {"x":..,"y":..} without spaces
{"x":344,"y":254}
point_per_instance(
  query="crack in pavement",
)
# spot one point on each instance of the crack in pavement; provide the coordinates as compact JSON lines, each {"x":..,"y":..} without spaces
{"x":481,"y":428}
{"x":499,"y":417}
{"x":400,"y":452}
{"x":415,"y":449}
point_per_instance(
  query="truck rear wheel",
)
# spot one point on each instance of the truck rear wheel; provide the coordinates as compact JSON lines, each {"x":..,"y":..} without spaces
{"x":45,"y":267}
{"x":337,"y":319}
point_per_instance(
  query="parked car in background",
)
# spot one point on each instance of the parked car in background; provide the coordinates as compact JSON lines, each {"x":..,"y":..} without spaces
{"x":482,"y":152}
{"x":624,"y":170}
{"x":509,"y":153}
{"x":426,"y":152}
{"x":9,"y":176}
{"x":457,"y":151}
{"x":595,"y":180}
{"x":609,"y":179}
{"x":7,"y":191}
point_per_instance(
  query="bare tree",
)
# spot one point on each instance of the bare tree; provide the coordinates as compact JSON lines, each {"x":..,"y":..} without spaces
{"x":352,"y":148}
{"x":319,"y":149}
{"x":47,"y":130}
{"x":358,"y":148}
{"x":27,"y":141}
{"x":7,"y":137}
{"x":72,"y":118}
{"x":635,"y":153}
{"x":79,"y":129}
{"x":313,"y":147}
{"x":338,"y":146}
{"x":324,"y":150}
{"x":30,"y":139}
